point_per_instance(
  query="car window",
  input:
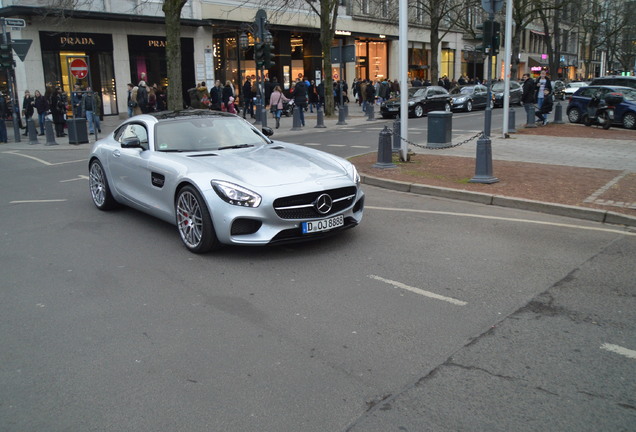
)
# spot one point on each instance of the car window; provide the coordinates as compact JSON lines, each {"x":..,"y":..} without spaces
{"x":133,"y":130}
{"x":204,"y":134}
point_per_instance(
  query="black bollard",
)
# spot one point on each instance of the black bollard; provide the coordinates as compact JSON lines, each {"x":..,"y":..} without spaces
{"x":440,"y":129}
{"x":370,"y":113}
{"x":33,"y":132}
{"x":257,"y":114}
{"x":397,"y":142}
{"x":345,"y":107}
{"x":320,"y":118}
{"x":558,"y":113}
{"x":483,"y":163}
{"x":511,"y":121}
{"x":50,"y":135}
{"x":296,"y":125}
{"x":530,"y":117}
{"x":341,"y":117}
{"x":385,"y":155}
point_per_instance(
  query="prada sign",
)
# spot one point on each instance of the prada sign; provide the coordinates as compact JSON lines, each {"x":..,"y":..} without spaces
{"x":51,"y":41}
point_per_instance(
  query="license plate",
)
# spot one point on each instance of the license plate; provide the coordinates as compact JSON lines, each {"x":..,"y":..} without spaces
{"x":393,"y":108}
{"x":322,"y":224}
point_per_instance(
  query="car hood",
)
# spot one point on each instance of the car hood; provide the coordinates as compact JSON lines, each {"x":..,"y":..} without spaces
{"x":271,"y":165}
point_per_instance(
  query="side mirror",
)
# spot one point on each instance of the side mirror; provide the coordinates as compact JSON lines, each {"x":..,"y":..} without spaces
{"x":268,"y":131}
{"x":132,"y":142}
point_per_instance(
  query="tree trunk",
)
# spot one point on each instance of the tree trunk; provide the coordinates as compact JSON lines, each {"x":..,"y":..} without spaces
{"x":328,"y":16}
{"x":172,"y":10}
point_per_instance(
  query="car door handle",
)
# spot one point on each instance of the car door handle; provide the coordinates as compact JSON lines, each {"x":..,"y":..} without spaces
{"x":116,"y":153}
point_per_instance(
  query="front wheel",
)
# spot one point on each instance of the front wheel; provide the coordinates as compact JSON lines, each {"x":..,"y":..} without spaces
{"x":469,"y":106}
{"x":98,"y":184}
{"x":194,"y":222}
{"x":574,"y":116}
{"x":418,"y":111}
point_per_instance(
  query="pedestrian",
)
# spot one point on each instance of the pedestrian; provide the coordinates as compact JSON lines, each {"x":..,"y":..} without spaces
{"x":202,"y":93}
{"x":76,"y":99}
{"x":546,"y":107}
{"x":28,"y":104}
{"x":3,"y":116}
{"x":248,"y":103}
{"x":160,"y":94}
{"x":312,"y":95}
{"x":91,"y":106}
{"x":528,"y":96}
{"x":277,"y":100}
{"x":543,"y":82}
{"x":133,"y":96}
{"x":42,"y":107}
{"x":300,"y":99}
{"x":142,"y":96}
{"x":215,"y":96}
{"x":369,"y":97}
{"x":130,"y":102}
{"x":58,"y":111}
{"x":228,"y":92}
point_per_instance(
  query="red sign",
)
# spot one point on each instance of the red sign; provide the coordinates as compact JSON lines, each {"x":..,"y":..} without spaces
{"x":79,"y":68}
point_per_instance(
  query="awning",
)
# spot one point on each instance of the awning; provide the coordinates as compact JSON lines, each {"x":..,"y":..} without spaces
{"x":536,"y":61}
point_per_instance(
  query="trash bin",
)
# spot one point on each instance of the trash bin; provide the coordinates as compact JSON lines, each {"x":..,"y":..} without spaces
{"x":440,"y":128}
{"x":77,"y":131}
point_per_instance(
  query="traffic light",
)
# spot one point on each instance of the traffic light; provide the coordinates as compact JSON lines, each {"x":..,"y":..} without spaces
{"x":259,"y":54}
{"x":6,"y":56}
{"x":486,"y":36}
{"x":268,"y":57}
{"x":496,"y":37}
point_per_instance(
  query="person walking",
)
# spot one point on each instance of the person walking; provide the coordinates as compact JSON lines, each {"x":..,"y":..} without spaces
{"x":58,"y":111}
{"x":142,"y":96}
{"x":277,"y":99}
{"x":130,"y":102}
{"x":28,"y":104}
{"x":528,"y":95}
{"x":246,"y":97}
{"x":42,"y":107}
{"x":91,"y":110}
{"x":312,"y":95}
{"x":543,"y":82}
{"x":228,"y":92}
{"x":300,"y":99}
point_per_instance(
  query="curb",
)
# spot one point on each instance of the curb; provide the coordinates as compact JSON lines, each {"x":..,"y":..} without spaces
{"x":595,"y":215}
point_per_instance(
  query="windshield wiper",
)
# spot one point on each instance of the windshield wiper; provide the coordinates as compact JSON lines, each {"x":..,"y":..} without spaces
{"x":237,"y":146}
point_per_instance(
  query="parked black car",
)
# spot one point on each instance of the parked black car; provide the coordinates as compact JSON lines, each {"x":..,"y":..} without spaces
{"x":421,"y":101}
{"x":615,"y":80}
{"x":498,"y":93}
{"x":467,"y":97}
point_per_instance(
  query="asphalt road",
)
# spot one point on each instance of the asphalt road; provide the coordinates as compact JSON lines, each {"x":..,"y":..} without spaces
{"x":433,"y":314}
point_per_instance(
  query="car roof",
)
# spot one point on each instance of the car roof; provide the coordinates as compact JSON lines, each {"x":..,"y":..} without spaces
{"x":165,"y":115}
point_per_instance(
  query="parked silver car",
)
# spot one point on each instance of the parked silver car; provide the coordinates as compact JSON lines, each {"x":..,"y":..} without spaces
{"x":222,"y":181}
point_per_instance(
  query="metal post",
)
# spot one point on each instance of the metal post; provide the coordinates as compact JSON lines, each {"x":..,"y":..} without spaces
{"x":320,"y":118}
{"x":296,"y":125}
{"x":558,"y":113}
{"x":341,"y":116}
{"x":33,"y":132}
{"x":511,"y":120}
{"x":385,"y":155}
{"x":50,"y":135}
{"x":530,"y":123}
{"x":370,"y":113}
{"x":396,"y":135}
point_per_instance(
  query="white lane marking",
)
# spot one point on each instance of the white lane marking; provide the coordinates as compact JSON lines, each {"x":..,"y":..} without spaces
{"x":360,"y":147}
{"x":42,"y":161}
{"x":419,"y":291}
{"x":619,"y":350}
{"x":336,"y":145}
{"x":313,"y":144}
{"x":470,"y":215}
{"x":79,"y":177}
{"x":36,"y":201}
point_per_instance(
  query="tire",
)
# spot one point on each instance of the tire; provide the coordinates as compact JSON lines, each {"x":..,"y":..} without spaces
{"x":574,"y":116}
{"x":418,"y":111}
{"x":605,"y":120}
{"x":629,"y":120}
{"x":98,"y":184}
{"x":194,"y":222}
{"x":469,"y":106}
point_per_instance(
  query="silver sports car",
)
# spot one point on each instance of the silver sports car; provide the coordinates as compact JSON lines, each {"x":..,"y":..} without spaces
{"x":222,"y":181}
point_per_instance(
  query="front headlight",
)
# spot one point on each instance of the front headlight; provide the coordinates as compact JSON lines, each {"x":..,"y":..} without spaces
{"x":235,"y":194}
{"x":354,"y":175}
{"x":460,"y":99}
{"x":411,"y":103}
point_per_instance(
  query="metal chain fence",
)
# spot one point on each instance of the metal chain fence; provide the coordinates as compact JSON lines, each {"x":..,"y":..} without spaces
{"x":477,"y":135}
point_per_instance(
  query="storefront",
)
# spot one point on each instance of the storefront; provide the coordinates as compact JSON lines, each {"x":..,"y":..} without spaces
{"x":372,"y":60}
{"x":59,"y":50}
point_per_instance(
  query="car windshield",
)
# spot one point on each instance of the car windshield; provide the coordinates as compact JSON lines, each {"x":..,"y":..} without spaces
{"x":462,"y":90}
{"x":205,"y":134}
{"x":576,"y":84}
{"x":499,"y":86}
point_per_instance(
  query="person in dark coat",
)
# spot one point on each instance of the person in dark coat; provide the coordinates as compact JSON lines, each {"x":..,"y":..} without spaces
{"x":42,"y":107}
{"x":300,"y":99}
{"x":228,"y":92}
{"x":142,"y":97}
{"x":546,"y":107}
{"x":58,"y":111}
{"x":28,"y":107}
{"x":527,"y":97}
{"x":247,"y":97}
{"x":215,"y":96}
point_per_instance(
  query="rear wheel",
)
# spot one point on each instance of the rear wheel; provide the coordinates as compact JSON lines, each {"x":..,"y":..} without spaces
{"x":469,"y":106}
{"x":586,"y":120}
{"x":98,"y":184}
{"x":605,"y":120}
{"x":194,"y":222}
{"x":629,"y":120}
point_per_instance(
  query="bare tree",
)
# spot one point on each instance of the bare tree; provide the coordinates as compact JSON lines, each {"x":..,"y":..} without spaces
{"x":172,"y":10}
